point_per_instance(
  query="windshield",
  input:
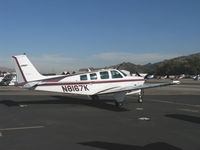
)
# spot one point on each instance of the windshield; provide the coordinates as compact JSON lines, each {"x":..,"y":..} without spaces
{"x":123,"y":73}
{"x":116,"y":74}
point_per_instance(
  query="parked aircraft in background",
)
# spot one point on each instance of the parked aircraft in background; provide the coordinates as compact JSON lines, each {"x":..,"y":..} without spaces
{"x":93,"y":83}
{"x":197,"y":77}
{"x":8,"y":79}
{"x":1,"y":77}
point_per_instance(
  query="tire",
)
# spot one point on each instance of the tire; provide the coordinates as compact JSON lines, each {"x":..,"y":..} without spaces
{"x":140,"y":100}
{"x":119,"y":104}
{"x":94,"y":97}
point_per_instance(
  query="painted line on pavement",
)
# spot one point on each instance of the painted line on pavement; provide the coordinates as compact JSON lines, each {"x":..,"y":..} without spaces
{"x":21,"y":128}
{"x":190,"y":110}
{"x":182,"y":104}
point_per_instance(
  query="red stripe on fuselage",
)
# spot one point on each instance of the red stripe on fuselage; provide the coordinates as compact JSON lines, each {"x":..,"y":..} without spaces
{"x":91,"y":82}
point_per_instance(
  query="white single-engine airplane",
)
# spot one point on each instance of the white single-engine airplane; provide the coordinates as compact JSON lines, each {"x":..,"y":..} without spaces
{"x":92,"y":83}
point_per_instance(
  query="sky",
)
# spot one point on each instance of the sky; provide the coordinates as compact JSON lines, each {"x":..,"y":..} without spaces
{"x":60,"y":35}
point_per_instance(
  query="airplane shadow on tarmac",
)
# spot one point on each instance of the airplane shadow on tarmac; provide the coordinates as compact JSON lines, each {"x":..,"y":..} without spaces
{"x":188,"y":118}
{"x":101,"y":104}
{"x":116,"y":146}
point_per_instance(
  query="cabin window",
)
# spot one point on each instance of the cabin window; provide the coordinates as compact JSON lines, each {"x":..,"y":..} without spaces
{"x":83,"y":77}
{"x":93,"y":76}
{"x":104,"y":75}
{"x":116,"y":74}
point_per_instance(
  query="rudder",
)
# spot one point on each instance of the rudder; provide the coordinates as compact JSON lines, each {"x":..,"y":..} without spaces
{"x":25,"y":70}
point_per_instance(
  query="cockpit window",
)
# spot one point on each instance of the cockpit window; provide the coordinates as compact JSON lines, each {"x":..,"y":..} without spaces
{"x":93,"y":76}
{"x":116,"y":74}
{"x":104,"y":75}
{"x":83,"y":77}
{"x":123,"y":73}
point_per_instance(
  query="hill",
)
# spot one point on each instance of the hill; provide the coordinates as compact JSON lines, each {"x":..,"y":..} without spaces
{"x":180,"y":65}
{"x":176,"y":66}
{"x":129,"y":66}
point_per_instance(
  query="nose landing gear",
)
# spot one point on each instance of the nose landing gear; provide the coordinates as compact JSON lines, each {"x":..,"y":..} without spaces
{"x":140,"y":96}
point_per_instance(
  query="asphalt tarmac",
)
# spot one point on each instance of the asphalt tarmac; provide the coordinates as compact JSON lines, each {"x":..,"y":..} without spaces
{"x":169,"y":119}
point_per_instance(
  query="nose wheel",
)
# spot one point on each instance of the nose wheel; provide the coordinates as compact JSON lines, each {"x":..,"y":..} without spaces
{"x":140,"y":96}
{"x":140,"y":100}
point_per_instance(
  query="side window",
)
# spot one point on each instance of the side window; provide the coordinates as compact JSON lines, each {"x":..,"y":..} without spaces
{"x":93,"y":76}
{"x":116,"y":74}
{"x":104,"y":75}
{"x":83,"y":77}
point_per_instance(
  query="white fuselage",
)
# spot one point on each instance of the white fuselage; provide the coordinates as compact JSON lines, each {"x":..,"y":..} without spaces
{"x":91,"y":83}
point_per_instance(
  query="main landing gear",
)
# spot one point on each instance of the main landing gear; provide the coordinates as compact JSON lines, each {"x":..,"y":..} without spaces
{"x":94,"y":97}
{"x":119,"y":99}
{"x":119,"y":104}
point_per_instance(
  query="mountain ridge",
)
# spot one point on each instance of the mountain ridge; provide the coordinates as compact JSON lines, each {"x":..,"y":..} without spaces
{"x":179,"y":65}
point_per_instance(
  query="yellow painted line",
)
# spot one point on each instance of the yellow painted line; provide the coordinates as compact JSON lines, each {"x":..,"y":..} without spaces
{"x":182,"y":104}
{"x":1,"y":134}
{"x":21,"y":128}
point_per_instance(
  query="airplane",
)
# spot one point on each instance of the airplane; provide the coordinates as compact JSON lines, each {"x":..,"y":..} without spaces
{"x":197,"y":77}
{"x":8,"y":79}
{"x":1,"y":77}
{"x":91,"y":83}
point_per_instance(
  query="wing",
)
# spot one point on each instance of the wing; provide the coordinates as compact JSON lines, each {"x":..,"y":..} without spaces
{"x":132,"y":88}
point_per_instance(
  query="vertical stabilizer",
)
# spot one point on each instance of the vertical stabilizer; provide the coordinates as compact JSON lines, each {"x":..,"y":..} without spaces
{"x":25,"y":70}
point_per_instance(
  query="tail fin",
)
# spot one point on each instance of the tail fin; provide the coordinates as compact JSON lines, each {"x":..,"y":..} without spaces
{"x":25,"y":70}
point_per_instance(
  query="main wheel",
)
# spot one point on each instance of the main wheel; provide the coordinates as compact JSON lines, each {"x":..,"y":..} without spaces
{"x":94,"y":97}
{"x":119,"y":104}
